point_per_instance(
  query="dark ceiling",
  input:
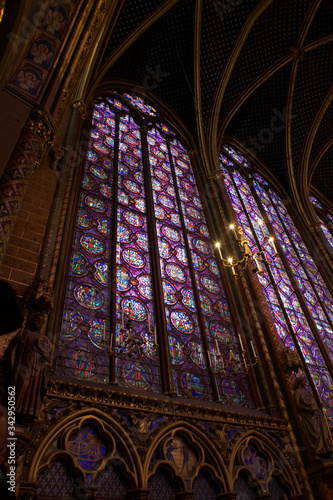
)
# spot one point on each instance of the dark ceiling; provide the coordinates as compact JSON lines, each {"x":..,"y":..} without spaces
{"x":238,"y":67}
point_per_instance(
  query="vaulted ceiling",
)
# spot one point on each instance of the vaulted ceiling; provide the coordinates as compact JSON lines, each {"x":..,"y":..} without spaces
{"x":259,"y":71}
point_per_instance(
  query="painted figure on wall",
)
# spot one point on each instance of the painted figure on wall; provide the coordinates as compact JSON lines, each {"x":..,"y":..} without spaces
{"x":55,"y":21}
{"x":41,"y":53}
{"x":28,"y":79}
{"x":181,"y":457}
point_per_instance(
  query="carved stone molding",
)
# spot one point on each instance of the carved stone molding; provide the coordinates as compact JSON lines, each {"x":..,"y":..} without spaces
{"x":96,"y":396}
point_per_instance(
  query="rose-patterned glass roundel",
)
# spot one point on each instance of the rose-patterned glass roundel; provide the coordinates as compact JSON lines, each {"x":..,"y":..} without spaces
{"x":134,"y":309}
{"x":182,"y":321}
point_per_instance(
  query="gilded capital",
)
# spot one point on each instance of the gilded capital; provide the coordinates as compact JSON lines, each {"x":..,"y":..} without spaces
{"x":80,"y":105}
{"x":41,"y":126}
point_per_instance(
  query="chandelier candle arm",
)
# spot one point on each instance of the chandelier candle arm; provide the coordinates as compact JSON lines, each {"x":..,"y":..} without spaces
{"x":253,"y":350}
{"x":217,"y":348}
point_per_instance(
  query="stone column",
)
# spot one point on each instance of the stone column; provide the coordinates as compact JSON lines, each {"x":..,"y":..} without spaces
{"x":29,"y":151}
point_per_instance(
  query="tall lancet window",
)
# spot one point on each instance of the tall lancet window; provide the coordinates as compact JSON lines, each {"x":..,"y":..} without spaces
{"x":325,"y":218}
{"x":299,"y":300}
{"x":145,"y":306}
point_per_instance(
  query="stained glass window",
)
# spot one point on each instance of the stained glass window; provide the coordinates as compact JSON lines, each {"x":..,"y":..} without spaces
{"x":300,"y":303}
{"x":325,"y":218}
{"x":142,"y":253}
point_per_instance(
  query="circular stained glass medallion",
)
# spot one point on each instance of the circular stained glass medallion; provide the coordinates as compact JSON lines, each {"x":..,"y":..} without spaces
{"x":130,"y":160}
{"x":137,"y":376}
{"x":221,"y":332}
{"x":163,"y":176}
{"x":233,"y":392}
{"x":188,"y":186}
{"x":175,"y":272}
{"x":166,"y":201}
{"x":176,"y":350}
{"x":99,"y":172}
{"x":132,"y":186}
{"x":134,"y":309}
{"x":210,"y":285}
{"x":101,"y":148}
{"x":171,"y":233}
{"x":92,"y":244}
{"x":133,"y":218}
{"x":182,"y":164}
{"x":201,"y":245}
{"x":82,"y":362}
{"x":192,"y":385}
{"x":182,"y":321}
{"x":197,"y":202}
{"x":102,"y":127}
{"x":133,"y":258}
{"x":95,"y":204}
{"x":130,"y":140}
{"x":88,"y":296}
{"x":158,"y":153}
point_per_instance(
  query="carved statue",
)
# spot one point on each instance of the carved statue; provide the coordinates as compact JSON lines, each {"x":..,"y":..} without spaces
{"x":141,"y":422}
{"x":313,"y":423}
{"x":30,"y":371}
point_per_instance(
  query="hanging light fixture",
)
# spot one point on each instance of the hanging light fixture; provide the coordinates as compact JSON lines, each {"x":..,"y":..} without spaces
{"x":130,"y":344}
{"x":254,"y":258}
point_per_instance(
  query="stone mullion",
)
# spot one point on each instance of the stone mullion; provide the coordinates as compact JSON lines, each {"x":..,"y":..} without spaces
{"x":113,"y":245}
{"x":27,"y":155}
{"x":162,"y":329}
